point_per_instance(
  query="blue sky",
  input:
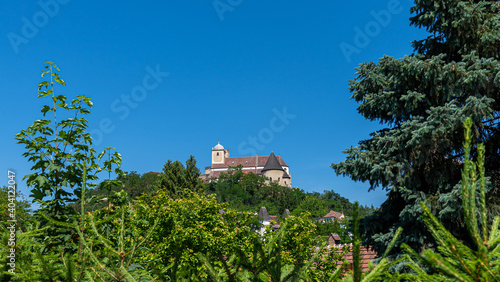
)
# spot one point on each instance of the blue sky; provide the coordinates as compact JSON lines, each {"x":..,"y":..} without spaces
{"x":170,"y":79}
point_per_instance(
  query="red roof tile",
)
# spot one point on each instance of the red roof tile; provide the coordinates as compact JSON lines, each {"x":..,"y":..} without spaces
{"x":333,"y":214}
{"x":367,"y":255}
{"x":335,"y":236}
{"x":247,"y":161}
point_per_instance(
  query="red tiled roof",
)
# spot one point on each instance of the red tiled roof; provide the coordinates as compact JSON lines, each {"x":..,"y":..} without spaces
{"x":247,"y":161}
{"x":335,"y":236}
{"x":367,"y":255}
{"x":333,"y":214}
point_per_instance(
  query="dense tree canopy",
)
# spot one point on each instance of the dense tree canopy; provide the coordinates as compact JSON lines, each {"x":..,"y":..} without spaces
{"x":239,"y":191}
{"x":423,"y":99}
{"x":247,"y":191}
{"x":242,"y":191}
{"x":175,"y":177}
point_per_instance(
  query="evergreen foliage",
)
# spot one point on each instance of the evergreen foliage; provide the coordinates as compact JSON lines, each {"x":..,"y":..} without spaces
{"x":454,"y":260}
{"x":22,"y":212}
{"x":423,"y":99}
{"x":381,"y":271}
{"x":175,"y":177}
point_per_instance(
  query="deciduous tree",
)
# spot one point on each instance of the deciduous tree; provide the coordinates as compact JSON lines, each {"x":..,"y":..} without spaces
{"x":58,"y":147}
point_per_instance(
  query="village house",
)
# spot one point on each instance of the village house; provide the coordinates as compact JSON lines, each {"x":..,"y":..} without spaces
{"x":331,"y":216}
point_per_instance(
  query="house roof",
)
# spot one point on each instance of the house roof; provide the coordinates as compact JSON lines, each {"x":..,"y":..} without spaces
{"x":253,"y":161}
{"x":285,"y":175}
{"x":272,"y":164}
{"x":333,"y":214}
{"x":335,"y":236}
{"x":367,"y":255}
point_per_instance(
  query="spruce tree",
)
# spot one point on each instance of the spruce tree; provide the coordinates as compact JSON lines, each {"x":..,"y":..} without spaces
{"x":422,"y":100}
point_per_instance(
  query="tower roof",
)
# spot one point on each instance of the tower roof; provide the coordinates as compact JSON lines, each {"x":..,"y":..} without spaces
{"x":264,"y":214}
{"x":218,"y":147}
{"x":285,"y":175}
{"x":272,"y":163}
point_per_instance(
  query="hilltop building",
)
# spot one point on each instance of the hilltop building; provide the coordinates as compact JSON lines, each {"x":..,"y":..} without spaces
{"x":273,"y":167}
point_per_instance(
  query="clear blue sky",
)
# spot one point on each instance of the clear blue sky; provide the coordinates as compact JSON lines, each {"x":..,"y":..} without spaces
{"x":169,"y":79}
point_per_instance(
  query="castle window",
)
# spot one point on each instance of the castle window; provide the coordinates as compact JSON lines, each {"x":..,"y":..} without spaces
{"x":270,"y":179}
{"x":279,"y":178}
{"x":217,"y":153}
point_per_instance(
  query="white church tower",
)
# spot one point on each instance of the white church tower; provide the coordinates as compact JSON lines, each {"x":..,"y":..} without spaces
{"x":219,"y":155}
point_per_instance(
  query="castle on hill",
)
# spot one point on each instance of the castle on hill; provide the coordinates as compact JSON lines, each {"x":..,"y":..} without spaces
{"x":273,"y":167}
